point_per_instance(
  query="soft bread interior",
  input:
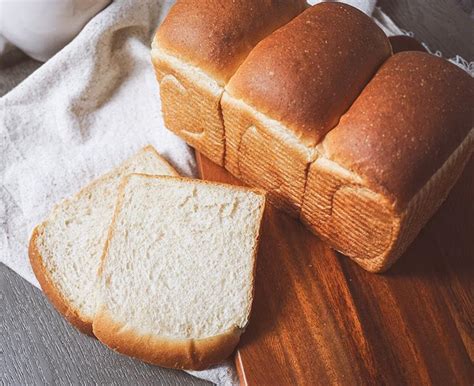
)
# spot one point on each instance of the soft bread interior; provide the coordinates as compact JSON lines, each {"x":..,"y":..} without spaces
{"x":178,"y":267}
{"x":181,"y":256}
{"x":71,"y":241}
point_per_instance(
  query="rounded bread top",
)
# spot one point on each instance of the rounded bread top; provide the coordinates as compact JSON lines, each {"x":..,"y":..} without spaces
{"x":307,"y":73}
{"x":409,"y":119}
{"x":217,"y":35}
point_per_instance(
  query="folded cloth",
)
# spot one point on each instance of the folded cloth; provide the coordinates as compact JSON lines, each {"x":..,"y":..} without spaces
{"x":80,"y":114}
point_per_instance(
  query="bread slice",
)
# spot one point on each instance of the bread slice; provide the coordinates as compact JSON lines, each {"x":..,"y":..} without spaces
{"x":65,"y":249}
{"x":178,"y":270}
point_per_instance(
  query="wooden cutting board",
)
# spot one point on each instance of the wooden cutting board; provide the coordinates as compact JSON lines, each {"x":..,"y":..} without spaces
{"x":318,"y":318}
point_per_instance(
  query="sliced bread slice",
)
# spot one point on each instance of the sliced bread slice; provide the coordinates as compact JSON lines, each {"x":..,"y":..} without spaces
{"x":65,"y":250}
{"x":178,"y":270}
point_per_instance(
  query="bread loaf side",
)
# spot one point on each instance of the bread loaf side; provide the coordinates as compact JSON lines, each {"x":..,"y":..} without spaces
{"x":392,"y":159}
{"x":291,"y":90}
{"x":197,"y":49}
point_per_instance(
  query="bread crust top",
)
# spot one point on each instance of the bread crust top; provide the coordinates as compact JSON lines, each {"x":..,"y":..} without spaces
{"x":307,"y":73}
{"x":217,"y":35}
{"x":409,"y":119}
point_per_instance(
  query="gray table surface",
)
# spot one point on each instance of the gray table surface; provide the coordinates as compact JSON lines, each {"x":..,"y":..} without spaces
{"x":38,"y":347}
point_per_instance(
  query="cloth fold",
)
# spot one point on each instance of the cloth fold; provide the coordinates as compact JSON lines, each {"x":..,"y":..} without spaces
{"x":83,"y":112}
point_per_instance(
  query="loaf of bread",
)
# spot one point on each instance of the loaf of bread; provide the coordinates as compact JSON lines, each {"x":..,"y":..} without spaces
{"x":392,"y":159}
{"x":291,"y":90}
{"x":197,"y":49}
{"x":178,"y":270}
{"x":65,"y":250}
{"x":360,"y":144}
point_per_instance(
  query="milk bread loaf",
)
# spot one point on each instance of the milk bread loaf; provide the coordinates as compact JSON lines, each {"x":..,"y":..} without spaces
{"x":65,"y":249}
{"x":197,"y":49}
{"x":392,"y":160}
{"x":178,"y":270}
{"x":291,"y":90}
{"x":360,"y":144}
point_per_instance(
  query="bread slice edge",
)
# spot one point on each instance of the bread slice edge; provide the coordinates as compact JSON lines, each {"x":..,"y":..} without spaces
{"x":188,"y":354}
{"x":61,"y":304}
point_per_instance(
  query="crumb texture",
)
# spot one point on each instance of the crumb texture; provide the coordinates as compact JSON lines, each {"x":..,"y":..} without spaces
{"x":181,"y":258}
{"x":72,"y":239}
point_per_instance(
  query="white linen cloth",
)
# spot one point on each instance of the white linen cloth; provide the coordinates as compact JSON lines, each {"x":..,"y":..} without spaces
{"x":83,"y":112}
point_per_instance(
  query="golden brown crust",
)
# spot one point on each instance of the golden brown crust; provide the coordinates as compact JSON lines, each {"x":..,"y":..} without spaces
{"x":217,"y":35}
{"x":52,"y":292}
{"x":189,"y":354}
{"x":190,"y":109}
{"x":213,"y":37}
{"x":348,"y":216}
{"x":307,"y":73}
{"x":256,"y":155}
{"x":363,"y":224}
{"x":422,"y":206}
{"x":405,"y":124}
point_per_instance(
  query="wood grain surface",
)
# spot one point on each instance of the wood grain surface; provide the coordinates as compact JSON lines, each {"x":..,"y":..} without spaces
{"x":318,"y":318}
